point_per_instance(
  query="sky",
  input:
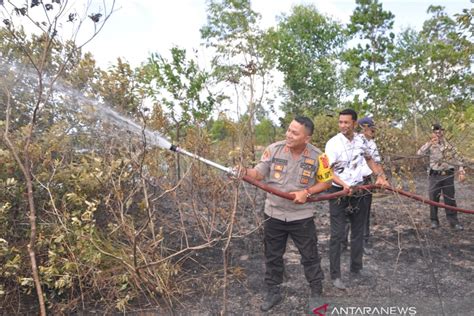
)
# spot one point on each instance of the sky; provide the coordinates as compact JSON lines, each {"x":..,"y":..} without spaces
{"x":140,"y":27}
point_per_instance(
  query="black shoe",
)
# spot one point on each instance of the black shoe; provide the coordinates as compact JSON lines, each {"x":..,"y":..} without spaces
{"x":272,"y":298}
{"x":316,"y":289}
{"x":434,"y":224}
{"x":315,"y":299}
{"x":457,"y":226}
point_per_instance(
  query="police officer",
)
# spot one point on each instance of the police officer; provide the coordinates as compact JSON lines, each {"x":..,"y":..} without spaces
{"x":443,"y":159}
{"x":347,"y":153}
{"x":297,"y":167}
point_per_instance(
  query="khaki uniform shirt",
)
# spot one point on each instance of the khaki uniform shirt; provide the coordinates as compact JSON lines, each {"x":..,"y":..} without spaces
{"x":287,"y":174}
{"x":443,"y":156}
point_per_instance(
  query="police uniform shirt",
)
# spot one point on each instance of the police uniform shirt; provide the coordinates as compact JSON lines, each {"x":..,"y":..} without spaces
{"x":443,"y":156}
{"x":347,"y":157}
{"x":374,"y":152}
{"x":287,"y":174}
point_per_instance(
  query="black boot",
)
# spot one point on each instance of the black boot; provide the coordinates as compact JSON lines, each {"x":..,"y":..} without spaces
{"x":315,"y":299}
{"x":272,"y":298}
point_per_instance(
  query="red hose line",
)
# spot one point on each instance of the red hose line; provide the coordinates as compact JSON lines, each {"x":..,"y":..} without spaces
{"x":331,"y":196}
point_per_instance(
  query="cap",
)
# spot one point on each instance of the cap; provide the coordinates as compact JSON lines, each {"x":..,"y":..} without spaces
{"x":366,"y":121}
{"x":437,"y":127}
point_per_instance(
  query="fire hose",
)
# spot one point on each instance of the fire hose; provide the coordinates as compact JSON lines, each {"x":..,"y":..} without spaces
{"x":321,"y":197}
{"x":367,"y":187}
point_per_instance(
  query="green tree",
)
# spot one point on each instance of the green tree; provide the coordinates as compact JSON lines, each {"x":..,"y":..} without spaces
{"x":432,"y":71}
{"x":368,"y":62}
{"x":232,"y":31}
{"x":306,"y":45}
{"x":266,"y":132}
{"x":119,"y":87}
{"x":181,"y":87}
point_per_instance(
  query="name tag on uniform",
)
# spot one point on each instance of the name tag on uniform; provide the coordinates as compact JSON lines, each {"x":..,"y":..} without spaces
{"x":309,"y":161}
{"x":280,"y":161}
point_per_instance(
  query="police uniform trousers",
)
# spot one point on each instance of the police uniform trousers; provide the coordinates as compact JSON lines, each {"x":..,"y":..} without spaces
{"x":303,"y":234}
{"x":353,"y":209}
{"x":442,"y":183}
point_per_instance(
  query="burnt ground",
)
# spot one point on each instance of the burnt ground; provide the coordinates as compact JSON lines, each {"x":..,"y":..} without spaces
{"x":412,"y":266}
{"x":428,"y":272}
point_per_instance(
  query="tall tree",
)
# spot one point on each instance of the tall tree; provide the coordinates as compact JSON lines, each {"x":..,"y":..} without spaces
{"x":368,"y":61}
{"x":232,"y":30}
{"x":306,"y":45}
{"x":432,"y":70}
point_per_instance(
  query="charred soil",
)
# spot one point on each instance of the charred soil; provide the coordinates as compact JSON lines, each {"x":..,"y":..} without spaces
{"x":412,"y":266}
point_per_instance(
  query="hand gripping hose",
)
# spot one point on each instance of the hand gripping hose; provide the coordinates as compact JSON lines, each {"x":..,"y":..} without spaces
{"x":321,"y":197}
{"x":330,"y":196}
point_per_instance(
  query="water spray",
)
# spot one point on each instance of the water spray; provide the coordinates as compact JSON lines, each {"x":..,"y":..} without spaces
{"x":156,"y":139}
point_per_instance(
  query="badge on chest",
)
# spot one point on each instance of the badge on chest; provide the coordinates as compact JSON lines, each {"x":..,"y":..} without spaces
{"x":308,"y":167}
{"x":278,"y":167}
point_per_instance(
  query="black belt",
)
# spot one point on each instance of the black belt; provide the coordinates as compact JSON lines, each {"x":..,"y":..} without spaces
{"x":441,"y":172}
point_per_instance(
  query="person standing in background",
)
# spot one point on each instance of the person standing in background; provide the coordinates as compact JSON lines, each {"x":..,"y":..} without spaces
{"x":443,"y":160}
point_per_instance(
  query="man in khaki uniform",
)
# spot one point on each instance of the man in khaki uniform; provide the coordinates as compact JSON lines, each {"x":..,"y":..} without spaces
{"x":297,"y":167}
{"x":443,"y":159}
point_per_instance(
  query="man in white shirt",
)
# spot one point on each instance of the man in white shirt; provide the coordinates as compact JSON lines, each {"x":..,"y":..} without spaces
{"x":367,"y":132}
{"x":347,"y":153}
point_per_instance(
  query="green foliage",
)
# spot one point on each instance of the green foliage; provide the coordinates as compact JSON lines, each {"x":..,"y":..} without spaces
{"x":325,"y":127}
{"x":220,"y":129}
{"x":108,"y":206}
{"x":266,"y":132}
{"x":240,"y":59}
{"x":368,"y":62}
{"x":305,"y":45}
{"x":432,"y":71}
{"x":180,"y":86}
{"x":119,"y":87}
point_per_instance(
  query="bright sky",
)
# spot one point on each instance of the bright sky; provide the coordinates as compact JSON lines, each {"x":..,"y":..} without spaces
{"x":141,"y":27}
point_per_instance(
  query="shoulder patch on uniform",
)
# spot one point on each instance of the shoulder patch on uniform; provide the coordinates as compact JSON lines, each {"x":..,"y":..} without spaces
{"x":266,"y":155}
{"x":324,"y":169}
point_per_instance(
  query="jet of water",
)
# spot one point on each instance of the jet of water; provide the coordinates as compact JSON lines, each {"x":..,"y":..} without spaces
{"x":90,"y":106}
